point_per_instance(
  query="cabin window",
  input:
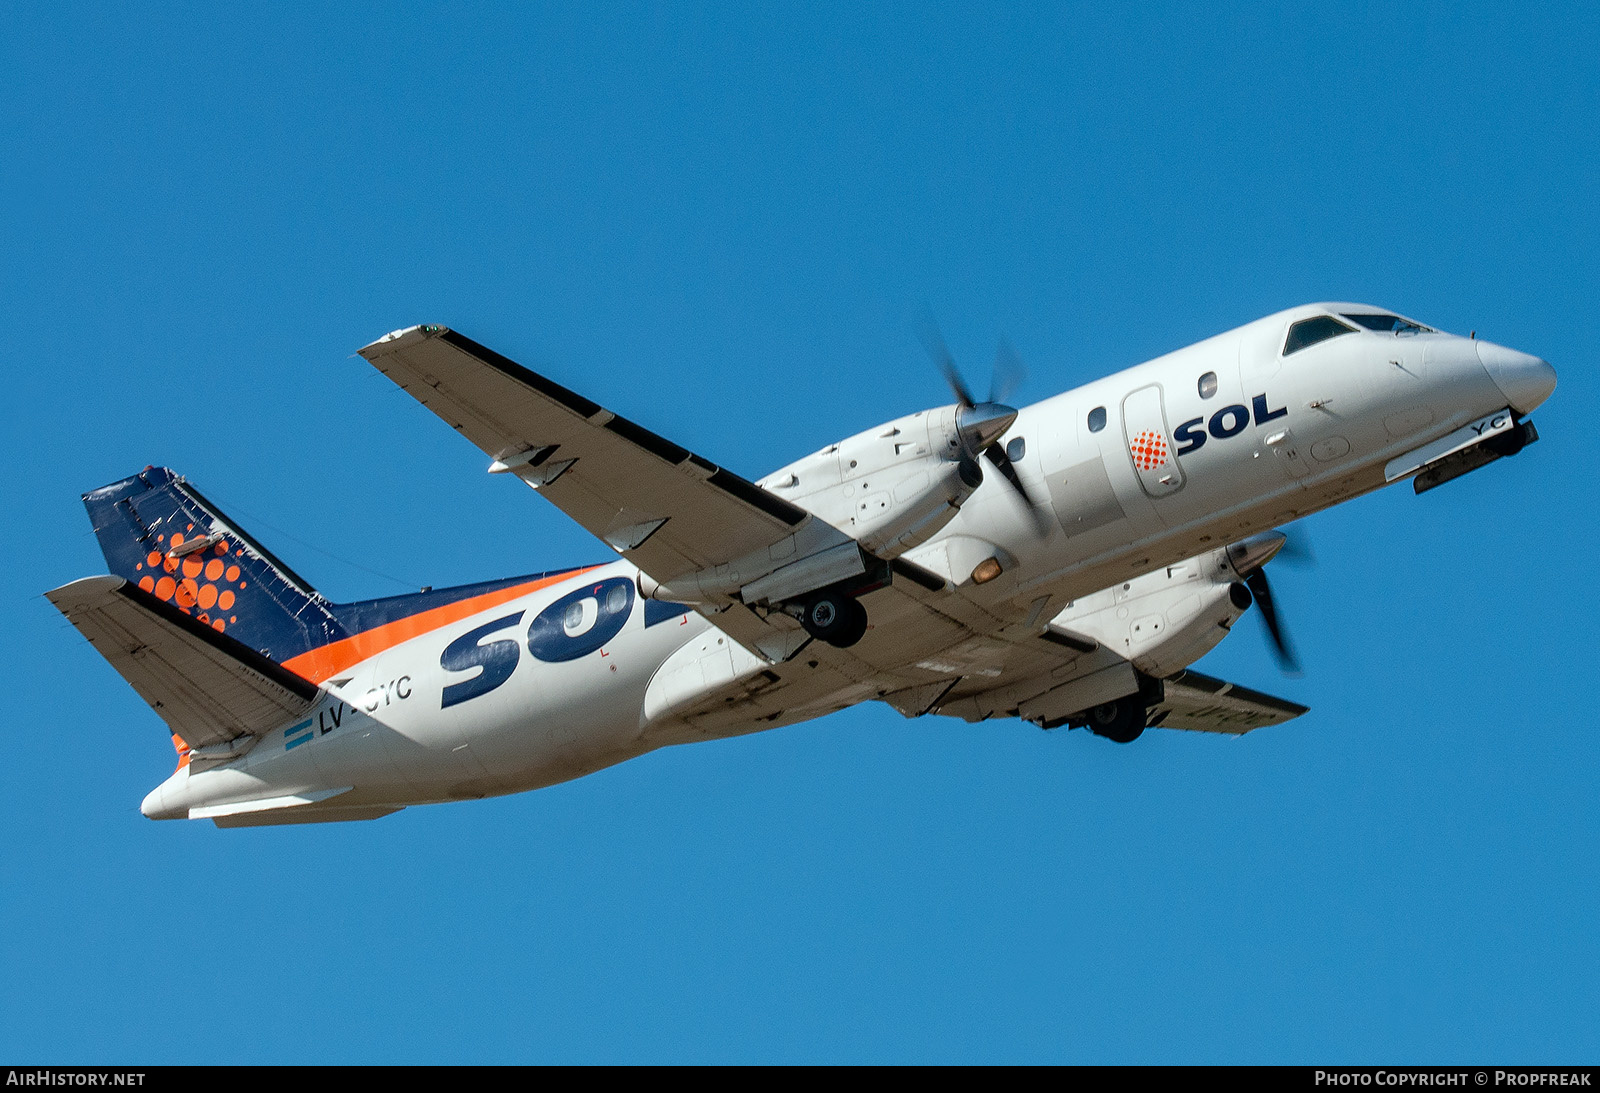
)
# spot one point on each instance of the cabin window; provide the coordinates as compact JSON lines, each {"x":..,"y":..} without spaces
{"x":1097,"y":419}
{"x":1208,"y":385}
{"x":1308,"y":332}
{"x":1016,"y":448}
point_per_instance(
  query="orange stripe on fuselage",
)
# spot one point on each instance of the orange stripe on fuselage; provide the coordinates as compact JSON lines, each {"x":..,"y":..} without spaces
{"x":331,"y":659}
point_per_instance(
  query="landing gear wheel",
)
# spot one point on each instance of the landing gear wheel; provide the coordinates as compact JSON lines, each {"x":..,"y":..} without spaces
{"x":857,"y":629}
{"x":834,"y":618}
{"x":1121,"y":720}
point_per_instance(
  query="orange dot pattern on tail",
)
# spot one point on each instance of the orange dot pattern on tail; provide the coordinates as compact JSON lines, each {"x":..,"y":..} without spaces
{"x":199,"y":583}
{"x":1149,"y":450}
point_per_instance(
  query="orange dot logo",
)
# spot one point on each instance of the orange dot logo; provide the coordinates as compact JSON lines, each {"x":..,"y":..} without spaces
{"x":198,"y":581}
{"x":1149,"y":450}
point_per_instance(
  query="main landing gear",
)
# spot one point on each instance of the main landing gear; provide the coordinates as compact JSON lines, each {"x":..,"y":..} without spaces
{"x":834,"y":617}
{"x":1121,"y":719}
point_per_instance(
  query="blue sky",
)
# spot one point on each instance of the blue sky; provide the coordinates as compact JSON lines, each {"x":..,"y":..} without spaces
{"x":725,"y":224}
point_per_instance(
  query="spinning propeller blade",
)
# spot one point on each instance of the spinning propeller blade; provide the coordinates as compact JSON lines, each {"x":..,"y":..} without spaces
{"x":997,"y":455}
{"x":933,"y":342}
{"x":1249,"y":559}
{"x":1282,"y":649}
{"x":982,"y":426}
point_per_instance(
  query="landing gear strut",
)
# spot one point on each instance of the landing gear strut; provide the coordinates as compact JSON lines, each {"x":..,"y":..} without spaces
{"x":835,"y":618}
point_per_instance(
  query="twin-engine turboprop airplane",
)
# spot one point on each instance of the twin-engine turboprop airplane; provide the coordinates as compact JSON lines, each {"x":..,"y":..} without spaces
{"x":1063,"y":564}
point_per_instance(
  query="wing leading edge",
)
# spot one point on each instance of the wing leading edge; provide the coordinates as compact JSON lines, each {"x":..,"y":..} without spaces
{"x":672,"y":512}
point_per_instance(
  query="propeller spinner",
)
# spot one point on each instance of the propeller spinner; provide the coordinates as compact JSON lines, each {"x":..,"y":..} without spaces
{"x":981,"y":425}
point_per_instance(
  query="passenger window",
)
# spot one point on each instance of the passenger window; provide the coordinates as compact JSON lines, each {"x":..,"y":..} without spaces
{"x":1016,"y":448}
{"x":1308,"y":332}
{"x":1208,"y":385}
{"x":1097,"y":419}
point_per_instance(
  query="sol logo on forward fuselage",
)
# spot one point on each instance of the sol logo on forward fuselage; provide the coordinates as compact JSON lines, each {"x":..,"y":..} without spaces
{"x":1226,"y":422}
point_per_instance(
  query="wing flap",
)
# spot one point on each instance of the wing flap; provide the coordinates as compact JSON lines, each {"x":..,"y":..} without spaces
{"x":672,"y":512}
{"x":1201,"y":703}
{"x":209,"y":688}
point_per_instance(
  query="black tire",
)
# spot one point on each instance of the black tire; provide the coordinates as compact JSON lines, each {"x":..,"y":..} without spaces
{"x":857,"y":629}
{"x":834,"y":617}
{"x":1121,"y":720}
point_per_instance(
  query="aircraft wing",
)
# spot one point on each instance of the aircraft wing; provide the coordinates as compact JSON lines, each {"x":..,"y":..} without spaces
{"x":209,"y":688}
{"x":1203,"y":704}
{"x":669,"y":510}
{"x":673,"y":513}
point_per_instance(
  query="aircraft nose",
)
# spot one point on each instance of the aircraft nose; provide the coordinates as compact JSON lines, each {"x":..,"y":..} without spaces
{"x":1525,"y":380}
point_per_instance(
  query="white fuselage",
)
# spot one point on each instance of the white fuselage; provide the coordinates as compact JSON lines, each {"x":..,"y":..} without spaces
{"x":1273,"y":438}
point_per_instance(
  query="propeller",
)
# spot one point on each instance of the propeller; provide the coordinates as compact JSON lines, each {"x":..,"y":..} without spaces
{"x":1249,"y":558}
{"x":981,"y":425}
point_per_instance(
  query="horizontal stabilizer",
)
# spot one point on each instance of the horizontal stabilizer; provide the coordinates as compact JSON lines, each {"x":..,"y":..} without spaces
{"x":208,"y":687}
{"x":1203,"y":704}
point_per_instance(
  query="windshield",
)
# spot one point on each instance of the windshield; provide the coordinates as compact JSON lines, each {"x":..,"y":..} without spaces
{"x":1392,"y":323}
{"x":1308,"y":332}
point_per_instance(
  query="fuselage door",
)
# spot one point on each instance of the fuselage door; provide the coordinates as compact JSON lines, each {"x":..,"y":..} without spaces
{"x":1144,"y":424}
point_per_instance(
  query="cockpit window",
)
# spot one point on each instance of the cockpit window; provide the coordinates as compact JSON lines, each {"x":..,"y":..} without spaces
{"x":1309,"y":332}
{"x":1392,"y":323}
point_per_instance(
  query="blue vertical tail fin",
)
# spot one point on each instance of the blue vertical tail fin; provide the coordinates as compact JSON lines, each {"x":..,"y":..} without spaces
{"x":159,"y":532}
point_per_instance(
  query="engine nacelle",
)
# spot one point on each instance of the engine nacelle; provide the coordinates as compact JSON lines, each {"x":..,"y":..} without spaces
{"x":890,"y":488}
{"x":888,"y":522}
{"x":1166,"y":620}
{"x":876,"y":495}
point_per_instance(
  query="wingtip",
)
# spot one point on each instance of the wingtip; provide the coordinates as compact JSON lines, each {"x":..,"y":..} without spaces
{"x":397,"y":339}
{"x":84,"y":589}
